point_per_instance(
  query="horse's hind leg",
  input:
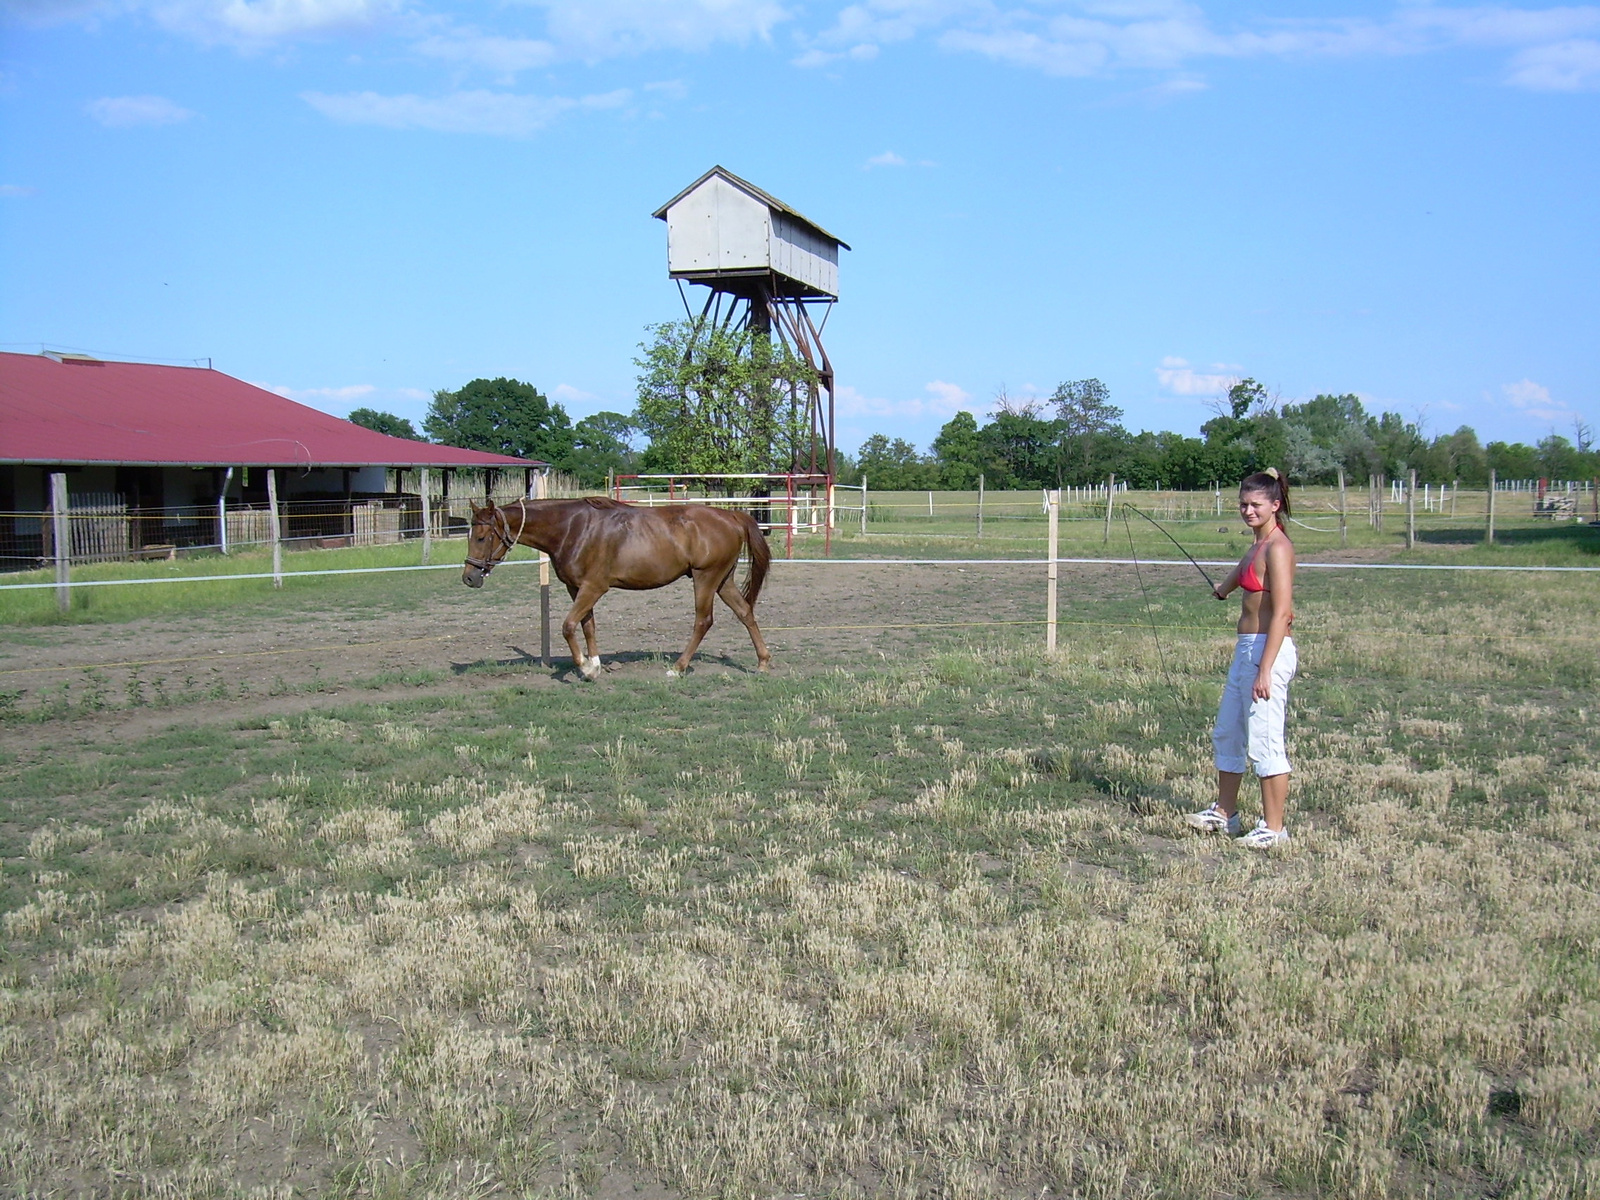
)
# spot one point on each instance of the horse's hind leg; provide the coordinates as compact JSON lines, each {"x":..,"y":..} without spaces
{"x":734,"y":599}
{"x":581,"y":614}
{"x":705,"y":590}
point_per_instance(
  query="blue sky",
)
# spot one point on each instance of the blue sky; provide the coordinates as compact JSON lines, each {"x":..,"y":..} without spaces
{"x":356,"y":202}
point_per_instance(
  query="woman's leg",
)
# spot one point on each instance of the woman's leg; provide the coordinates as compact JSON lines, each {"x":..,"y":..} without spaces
{"x":1274,"y":800}
{"x":1228,"y":791}
{"x":1267,"y":751}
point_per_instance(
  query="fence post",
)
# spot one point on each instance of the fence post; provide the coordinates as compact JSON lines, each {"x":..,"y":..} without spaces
{"x":1411,"y":509}
{"x":1488,"y":536}
{"x":863,"y":502}
{"x":1051,"y":574}
{"x":1111,"y":492}
{"x":541,"y":489}
{"x":275,"y":526}
{"x":1343,"y":533}
{"x":61,"y":540}
{"x":222,"y":510}
{"x":980,"y":504}
{"x":930,"y":504}
{"x":1455,"y":490}
{"x":425,"y":486}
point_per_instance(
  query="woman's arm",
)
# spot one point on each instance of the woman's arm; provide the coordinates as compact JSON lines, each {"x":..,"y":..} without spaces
{"x":1280,"y":575}
{"x":1228,"y":584}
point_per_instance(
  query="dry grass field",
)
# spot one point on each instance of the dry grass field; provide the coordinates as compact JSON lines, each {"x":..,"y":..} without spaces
{"x":920,"y":919}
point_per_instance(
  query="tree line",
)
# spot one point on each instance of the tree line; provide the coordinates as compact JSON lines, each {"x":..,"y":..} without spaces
{"x":717,"y":400}
{"x":1076,"y":437}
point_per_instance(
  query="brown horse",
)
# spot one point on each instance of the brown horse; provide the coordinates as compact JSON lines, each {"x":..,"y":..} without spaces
{"x":596,"y":544}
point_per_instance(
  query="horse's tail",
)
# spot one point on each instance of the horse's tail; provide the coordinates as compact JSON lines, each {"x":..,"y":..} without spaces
{"x":760,"y":558}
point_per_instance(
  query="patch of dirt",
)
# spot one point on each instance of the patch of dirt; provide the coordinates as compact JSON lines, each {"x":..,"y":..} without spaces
{"x":157,"y":671}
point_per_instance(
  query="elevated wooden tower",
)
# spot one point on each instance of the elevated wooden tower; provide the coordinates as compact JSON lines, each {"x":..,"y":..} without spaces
{"x":767,"y":268}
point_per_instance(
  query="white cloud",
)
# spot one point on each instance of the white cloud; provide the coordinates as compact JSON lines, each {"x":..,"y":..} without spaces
{"x":502,"y":114}
{"x":887,"y":159}
{"x":1534,"y":399}
{"x":942,"y":400}
{"x":16,"y":190}
{"x":576,"y":398}
{"x":122,"y":112}
{"x":595,"y":29}
{"x":502,"y":55}
{"x":259,"y":22}
{"x":1572,"y":66}
{"x":1090,"y":38}
{"x":1178,"y":378}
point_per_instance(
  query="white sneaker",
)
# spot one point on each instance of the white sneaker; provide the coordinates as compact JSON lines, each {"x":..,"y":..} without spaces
{"x":1262,"y":838}
{"x":1214,"y":820}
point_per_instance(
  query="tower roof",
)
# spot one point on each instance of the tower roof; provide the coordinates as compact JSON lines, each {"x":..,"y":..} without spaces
{"x":754,"y":193}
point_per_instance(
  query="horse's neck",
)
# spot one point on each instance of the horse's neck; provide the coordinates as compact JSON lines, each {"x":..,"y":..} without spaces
{"x":537,"y":525}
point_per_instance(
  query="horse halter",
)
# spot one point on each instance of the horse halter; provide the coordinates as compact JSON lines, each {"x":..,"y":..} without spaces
{"x":501,"y":527}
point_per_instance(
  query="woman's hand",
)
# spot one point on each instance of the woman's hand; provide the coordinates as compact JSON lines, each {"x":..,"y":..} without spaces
{"x":1263,"y":687}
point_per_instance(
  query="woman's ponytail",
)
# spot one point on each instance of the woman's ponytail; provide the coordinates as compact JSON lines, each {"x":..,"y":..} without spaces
{"x":1271,"y":483}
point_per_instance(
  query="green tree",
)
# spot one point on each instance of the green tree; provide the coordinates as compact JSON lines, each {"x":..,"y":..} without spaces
{"x":1248,"y":435}
{"x":1457,"y":456}
{"x":1020,"y":449}
{"x":602,"y":444}
{"x":893,"y":465}
{"x":1085,"y":414}
{"x":959,"y":452}
{"x":715,"y":400}
{"x":1512,"y":460}
{"x":502,"y":416}
{"x":383,"y":422}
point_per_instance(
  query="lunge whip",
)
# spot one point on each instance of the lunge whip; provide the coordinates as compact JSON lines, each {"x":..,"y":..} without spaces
{"x":1127,"y":508}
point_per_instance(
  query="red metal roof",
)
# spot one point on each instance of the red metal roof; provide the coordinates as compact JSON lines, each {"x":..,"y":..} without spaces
{"x":91,"y":411}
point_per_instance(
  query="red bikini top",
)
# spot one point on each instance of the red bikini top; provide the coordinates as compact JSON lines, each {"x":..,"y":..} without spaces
{"x":1248,"y":579}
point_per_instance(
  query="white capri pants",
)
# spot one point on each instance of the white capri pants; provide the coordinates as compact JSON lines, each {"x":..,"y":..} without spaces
{"x":1249,"y":732}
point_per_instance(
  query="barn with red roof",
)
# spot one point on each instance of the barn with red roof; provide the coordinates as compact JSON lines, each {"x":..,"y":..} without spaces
{"x":176,"y":448}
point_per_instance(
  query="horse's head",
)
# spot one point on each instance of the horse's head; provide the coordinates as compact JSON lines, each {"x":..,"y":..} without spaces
{"x":487,"y":544}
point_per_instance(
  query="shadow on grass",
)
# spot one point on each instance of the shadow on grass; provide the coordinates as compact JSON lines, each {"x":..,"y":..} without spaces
{"x":563,"y":670}
{"x":1584,"y":539}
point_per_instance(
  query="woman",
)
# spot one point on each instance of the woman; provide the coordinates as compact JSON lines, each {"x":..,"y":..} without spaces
{"x":1249,"y":728}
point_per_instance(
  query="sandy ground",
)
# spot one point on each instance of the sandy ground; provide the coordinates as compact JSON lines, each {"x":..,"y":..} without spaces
{"x":815,"y":617}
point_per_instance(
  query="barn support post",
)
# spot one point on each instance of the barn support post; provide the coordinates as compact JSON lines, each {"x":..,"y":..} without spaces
{"x":222,"y":510}
{"x":1411,"y":510}
{"x":1052,"y":573}
{"x":1343,"y":532}
{"x":275,"y":527}
{"x":426,"y":487}
{"x":1488,"y":535}
{"x":1111,"y":492}
{"x":61,"y":540}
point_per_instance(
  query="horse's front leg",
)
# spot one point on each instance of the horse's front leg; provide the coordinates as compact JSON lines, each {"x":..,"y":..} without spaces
{"x":591,"y":642}
{"x":581,"y":614}
{"x":705,"y":591}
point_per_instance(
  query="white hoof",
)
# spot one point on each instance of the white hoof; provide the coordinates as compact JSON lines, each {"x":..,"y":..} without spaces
{"x":593,"y":664}
{"x":589,"y":673}
{"x":673,"y":673}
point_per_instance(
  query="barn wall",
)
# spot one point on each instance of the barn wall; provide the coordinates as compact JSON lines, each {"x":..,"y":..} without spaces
{"x":798,"y":252}
{"x":717,"y":227}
